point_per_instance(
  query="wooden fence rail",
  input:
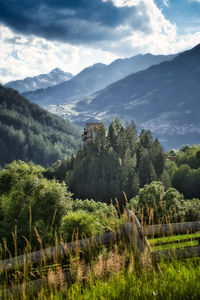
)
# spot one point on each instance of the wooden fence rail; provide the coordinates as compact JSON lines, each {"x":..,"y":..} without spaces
{"x":177,"y":253}
{"x":129,"y":230}
{"x":172,"y":242}
{"x":173,"y":228}
{"x":58,"y":251}
{"x":132,"y":233}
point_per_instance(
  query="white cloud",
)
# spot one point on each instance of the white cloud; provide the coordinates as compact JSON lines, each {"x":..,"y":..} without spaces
{"x":23,"y":56}
{"x":129,"y":3}
{"x":159,"y":38}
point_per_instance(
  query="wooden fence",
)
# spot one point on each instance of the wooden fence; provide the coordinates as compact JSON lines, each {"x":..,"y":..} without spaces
{"x":131,"y":233}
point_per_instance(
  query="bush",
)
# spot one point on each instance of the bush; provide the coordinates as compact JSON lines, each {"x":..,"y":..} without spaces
{"x":155,"y":204}
{"x":192,"y":210}
{"x":80,"y":223}
{"x":29,"y":200}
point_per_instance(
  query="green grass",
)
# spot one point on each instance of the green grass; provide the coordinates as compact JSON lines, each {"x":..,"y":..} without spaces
{"x":175,"y":280}
{"x":178,"y":281}
{"x":113,"y":274}
{"x":173,"y":246}
{"x":180,"y":238}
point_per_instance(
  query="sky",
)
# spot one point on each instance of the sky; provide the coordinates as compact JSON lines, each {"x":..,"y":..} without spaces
{"x":37,"y":36}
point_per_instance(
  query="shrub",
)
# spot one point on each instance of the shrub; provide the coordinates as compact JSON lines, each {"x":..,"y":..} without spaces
{"x":29,"y":200}
{"x":81,"y":223}
{"x":156,"y":204}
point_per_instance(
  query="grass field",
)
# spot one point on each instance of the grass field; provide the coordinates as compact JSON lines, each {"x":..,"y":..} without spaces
{"x":176,"y":281}
{"x":113,"y":274}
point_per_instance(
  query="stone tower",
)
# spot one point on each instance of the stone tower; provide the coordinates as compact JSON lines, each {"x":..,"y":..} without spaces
{"x":90,"y":132}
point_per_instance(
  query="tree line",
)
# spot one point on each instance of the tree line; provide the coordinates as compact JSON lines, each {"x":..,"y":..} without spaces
{"x":121,"y":161}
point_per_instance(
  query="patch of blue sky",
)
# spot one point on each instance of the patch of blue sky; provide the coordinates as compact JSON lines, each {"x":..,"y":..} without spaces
{"x":14,"y":54}
{"x":184,"y":13}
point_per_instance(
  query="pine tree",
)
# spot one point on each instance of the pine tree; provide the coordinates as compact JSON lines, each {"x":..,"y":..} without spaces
{"x":158,"y":158}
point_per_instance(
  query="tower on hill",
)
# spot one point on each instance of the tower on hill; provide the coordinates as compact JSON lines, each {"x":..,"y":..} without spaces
{"x":90,"y":132}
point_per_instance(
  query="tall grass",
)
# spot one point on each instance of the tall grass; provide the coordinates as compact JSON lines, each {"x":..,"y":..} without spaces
{"x":107,"y":273}
{"x":180,"y":281}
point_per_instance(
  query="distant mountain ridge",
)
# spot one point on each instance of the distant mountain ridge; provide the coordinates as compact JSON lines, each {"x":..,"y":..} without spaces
{"x":28,"y":132}
{"x":165,"y":98}
{"x":94,"y":78}
{"x":56,"y":76}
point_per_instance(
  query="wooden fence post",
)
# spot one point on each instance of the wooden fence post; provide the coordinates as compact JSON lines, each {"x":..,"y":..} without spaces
{"x":143,"y":246}
{"x":133,"y":233}
{"x":143,"y":240}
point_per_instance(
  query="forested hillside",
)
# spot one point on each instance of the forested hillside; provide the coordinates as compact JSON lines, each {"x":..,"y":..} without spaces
{"x":122,"y":161}
{"x":28,"y":132}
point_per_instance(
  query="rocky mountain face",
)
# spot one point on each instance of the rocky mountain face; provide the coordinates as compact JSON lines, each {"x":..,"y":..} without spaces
{"x":164,"y":98}
{"x":94,"y":78}
{"x":28,"y":84}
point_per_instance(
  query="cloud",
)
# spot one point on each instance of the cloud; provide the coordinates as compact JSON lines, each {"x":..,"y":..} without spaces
{"x":68,"y":20}
{"x":78,"y":21}
{"x":23,"y":56}
{"x":39,"y":35}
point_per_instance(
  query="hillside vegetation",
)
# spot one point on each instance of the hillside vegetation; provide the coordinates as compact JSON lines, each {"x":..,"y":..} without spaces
{"x":122,"y":161}
{"x":109,"y":273}
{"x":28,"y":132}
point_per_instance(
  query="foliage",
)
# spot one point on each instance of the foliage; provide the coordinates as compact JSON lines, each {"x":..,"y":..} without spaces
{"x":28,"y":132}
{"x":101,"y":210}
{"x":189,"y":157}
{"x":89,"y":217}
{"x":107,"y":215}
{"x":29,"y":200}
{"x":120,"y":162}
{"x":185,"y":172}
{"x":58,"y":169}
{"x":154,"y":204}
{"x":192,"y":210}
{"x":80,"y":224}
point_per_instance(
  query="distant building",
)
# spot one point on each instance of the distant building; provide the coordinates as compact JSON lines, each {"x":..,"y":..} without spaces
{"x":90,"y":132}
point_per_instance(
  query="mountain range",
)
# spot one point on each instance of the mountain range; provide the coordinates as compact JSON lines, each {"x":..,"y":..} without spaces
{"x":162,"y":94}
{"x":56,"y":76}
{"x":164,"y":98}
{"x":93,"y":78}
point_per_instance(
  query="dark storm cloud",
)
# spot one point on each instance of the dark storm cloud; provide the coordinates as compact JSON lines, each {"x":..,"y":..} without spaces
{"x":73,"y":21}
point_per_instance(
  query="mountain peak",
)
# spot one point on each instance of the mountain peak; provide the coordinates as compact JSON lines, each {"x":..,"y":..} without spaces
{"x":56,"y":76}
{"x":57,"y":70}
{"x":97,"y":66}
